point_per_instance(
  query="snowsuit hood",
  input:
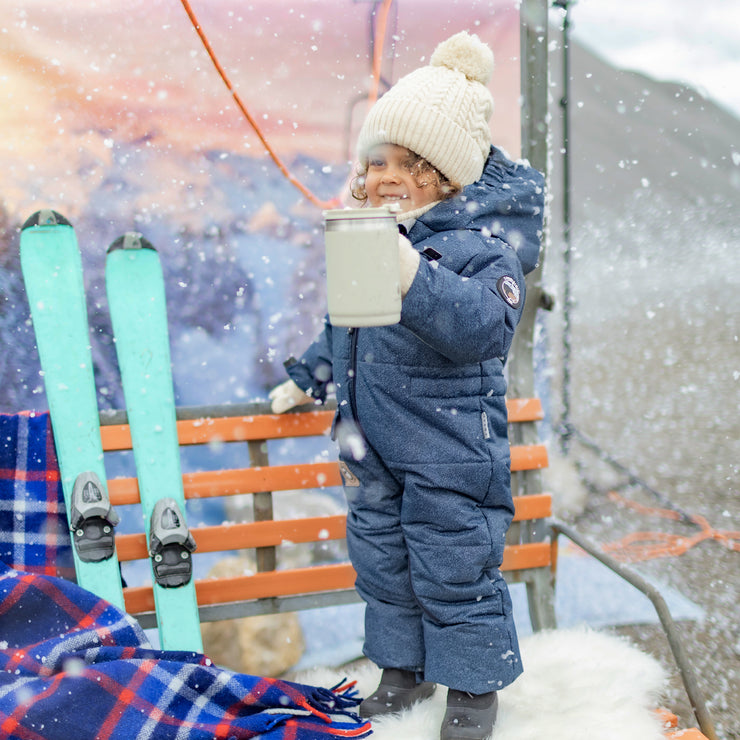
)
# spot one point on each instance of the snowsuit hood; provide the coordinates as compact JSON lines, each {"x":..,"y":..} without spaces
{"x":507,"y":203}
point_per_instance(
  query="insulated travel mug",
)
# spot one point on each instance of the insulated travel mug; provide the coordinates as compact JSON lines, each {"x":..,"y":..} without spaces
{"x":363,"y":275}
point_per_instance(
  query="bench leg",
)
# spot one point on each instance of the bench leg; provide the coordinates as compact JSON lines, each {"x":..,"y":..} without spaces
{"x":541,"y":600}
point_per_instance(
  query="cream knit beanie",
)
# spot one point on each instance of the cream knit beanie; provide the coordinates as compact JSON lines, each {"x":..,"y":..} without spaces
{"x":441,"y":111}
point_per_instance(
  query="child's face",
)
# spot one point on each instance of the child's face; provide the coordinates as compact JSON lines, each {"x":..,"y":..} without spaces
{"x":390,"y":179}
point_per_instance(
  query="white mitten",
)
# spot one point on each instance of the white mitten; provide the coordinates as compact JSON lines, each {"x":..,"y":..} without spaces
{"x":287,"y":395}
{"x":409,"y":259}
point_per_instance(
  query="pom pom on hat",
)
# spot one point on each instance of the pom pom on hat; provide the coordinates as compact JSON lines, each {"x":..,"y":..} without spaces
{"x":467,"y":54}
{"x":440,"y":111}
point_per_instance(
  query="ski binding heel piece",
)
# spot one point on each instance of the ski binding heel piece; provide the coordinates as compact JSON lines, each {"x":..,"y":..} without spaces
{"x":170,"y":545}
{"x":92,"y":519}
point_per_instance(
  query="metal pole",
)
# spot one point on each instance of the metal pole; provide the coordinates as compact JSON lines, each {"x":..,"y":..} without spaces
{"x":688,"y":676}
{"x":565,"y":425}
{"x":534,"y":133}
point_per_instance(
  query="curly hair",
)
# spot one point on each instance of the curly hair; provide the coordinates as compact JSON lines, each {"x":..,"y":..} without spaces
{"x":422,"y":171}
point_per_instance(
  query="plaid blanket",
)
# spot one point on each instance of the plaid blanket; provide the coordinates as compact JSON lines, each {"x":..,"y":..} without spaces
{"x":74,"y":666}
{"x":34,"y":536}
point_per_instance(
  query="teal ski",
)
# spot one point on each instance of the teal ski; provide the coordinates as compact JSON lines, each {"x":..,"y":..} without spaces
{"x":52,"y":272}
{"x":136,"y":298}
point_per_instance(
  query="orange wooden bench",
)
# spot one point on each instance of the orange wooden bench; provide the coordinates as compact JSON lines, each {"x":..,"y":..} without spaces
{"x":529,"y":556}
{"x":271,"y":588}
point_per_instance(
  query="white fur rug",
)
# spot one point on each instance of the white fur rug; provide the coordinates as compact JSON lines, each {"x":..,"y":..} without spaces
{"x":577,"y":685}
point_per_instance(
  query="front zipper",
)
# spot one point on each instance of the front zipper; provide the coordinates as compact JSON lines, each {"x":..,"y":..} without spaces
{"x":352,"y":380}
{"x":353,"y":334}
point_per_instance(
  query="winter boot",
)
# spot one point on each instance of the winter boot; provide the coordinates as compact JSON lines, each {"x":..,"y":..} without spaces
{"x":469,"y":716}
{"x":397,"y":691}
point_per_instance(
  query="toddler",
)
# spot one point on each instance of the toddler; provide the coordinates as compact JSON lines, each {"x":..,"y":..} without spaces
{"x":421,"y":419}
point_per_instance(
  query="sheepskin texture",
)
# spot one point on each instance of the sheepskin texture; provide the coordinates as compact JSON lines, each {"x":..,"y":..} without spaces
{"x":577,"y":685}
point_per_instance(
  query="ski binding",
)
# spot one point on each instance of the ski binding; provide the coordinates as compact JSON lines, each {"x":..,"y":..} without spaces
{"x":92,"y":519}
{"x":170,"y":545}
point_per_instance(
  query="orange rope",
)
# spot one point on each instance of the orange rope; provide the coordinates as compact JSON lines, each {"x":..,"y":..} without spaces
{"x":334,"y":202}
{"x":378,"y":51}
{"x":641,"y":546}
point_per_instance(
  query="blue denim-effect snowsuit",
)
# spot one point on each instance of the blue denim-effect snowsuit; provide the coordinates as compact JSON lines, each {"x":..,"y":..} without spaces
{"x":422,"y":432}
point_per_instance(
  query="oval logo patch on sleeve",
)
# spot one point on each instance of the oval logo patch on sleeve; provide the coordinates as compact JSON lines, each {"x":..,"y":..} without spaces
{"x":509,"y":290}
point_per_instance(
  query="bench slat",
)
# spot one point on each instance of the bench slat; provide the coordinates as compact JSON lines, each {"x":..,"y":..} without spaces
{"x":274,"y":533}
{"x":206,"y":484}
{"x":230,"y":429}
{"x":533,"y":506}
{"x":246,"y":535}
{"x":524,"y":409}
{"x":528,"y":457}
{"x":529,"y":555}
{"x":306,"y":580}
{"x":275,"y":426}
{"x":260,"y":585}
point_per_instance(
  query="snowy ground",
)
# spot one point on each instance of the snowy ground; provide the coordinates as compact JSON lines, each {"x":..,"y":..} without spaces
{"x":655,"y":366}
{"x":709,"y":573}
{"x":655,"y":373}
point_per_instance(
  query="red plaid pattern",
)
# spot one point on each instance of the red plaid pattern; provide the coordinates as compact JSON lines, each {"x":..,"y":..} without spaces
{"x":80,"y":668}
{"x":34,"y":536}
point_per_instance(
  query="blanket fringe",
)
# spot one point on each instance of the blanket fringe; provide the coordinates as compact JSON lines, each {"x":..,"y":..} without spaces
{"x":341,"y":699}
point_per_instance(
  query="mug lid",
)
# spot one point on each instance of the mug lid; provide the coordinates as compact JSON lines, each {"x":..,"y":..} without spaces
{"x":382,"y":212}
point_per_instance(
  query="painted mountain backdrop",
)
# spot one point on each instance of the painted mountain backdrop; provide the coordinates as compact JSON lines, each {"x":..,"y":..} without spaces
{"x":114,"y":115}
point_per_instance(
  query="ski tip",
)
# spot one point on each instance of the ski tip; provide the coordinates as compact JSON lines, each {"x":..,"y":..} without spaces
{"x":130,"y":240}
{"x":45,"y":217}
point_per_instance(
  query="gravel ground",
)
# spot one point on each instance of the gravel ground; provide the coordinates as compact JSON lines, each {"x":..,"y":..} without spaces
{"x":709,"y":574}
{"x":656,"y":383}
